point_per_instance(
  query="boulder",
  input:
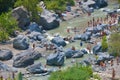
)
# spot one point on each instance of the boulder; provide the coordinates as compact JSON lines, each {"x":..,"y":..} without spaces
{"x":56,"y":59}
{"x":59,"y":41}
{"x":6,"y":54}
{"x":35,"y":27}
{"x":48,"y":20}
{"x":23,"y":61}
{"x":21,"y":15}
{"x":78,"y":55}
{"x":84,"y":51}
{"x":36,"y":36}
{"x":4,"y":67}
{"x":85,"y":37}
{"x":97,"y":48}
{"x":69,"y":53}
{"x":36,"y":69}
{"x":77,"y":37}
{"x":26,"y":58}
{"x":103,"y":57}
{"x":21,"y":42}
{"x":101,"y":3}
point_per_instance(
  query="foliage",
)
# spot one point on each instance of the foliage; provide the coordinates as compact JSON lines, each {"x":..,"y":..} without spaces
{"x":57,"y":4}
{"x":104,"y":43}
{"x":74,"y":73}
{"x":5,"y":5}
{"x":7,"y":25}
{"x":96,"y":76}
{"x":31,"y":6}
{"x":19,"y":76}
{"x":114,"y":44}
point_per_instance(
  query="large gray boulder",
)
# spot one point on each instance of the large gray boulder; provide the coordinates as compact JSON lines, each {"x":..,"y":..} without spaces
{"x":59,"y":41}
{"x":85,"y":37}
{"x":26,"y":58}
{"x":21,"y":42}
{"x":78,"y":55}
{"x":101,"y":3}
{"x":69,"y":53}
{"x":36,"y":36}
{"x":35,"y":27}
{"x":21,"y":15}
{"x":36,"y":69}
{"x":6,"y":54}
{"x":56,"y":59}
{"x":77,"y":37}
{"x":48,"y":20}
{"x":4,"y":67}
{"x":103,"y":57}
{"x":97,"y":48}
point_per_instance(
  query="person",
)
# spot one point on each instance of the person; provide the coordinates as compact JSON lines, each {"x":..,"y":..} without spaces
{"x":68,"y":30}
{"x":73,"y":47}
{"x":81,"y":43}
{"x":117,"y":60}
{"x":113,"y":73}
{"x":111,"y":62}
{"x":33,"y":46}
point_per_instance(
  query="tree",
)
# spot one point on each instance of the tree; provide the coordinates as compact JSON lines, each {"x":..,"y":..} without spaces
{"x":114,"y":44}
{"x":7,"y":26}
{"x":56,"y":5}
{"x":5,"y":5}
{"x":104,"y":43}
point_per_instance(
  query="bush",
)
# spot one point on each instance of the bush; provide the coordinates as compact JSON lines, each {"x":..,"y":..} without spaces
{"x":104,"y":43}
{"x":73,"y":73}
{"x":5,"y":5}
{"x":57,"y":4}
{"x":7,"y":25}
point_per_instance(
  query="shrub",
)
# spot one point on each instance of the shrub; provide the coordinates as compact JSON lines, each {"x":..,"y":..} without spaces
{"x":73,"y":73}
{"x":104,"y":43}
{"x":7,"y":25}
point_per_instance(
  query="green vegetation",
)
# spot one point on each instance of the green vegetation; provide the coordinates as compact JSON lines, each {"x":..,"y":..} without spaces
{"x":74,"y":73}
{"x":31,"y":6}
{"x":104,"y":43}
{"x":57,"y":4}
{"x":5,"y":5}
{"x":7,"y":25}
{"x":19,"y":76}
{"x":114,"y":44}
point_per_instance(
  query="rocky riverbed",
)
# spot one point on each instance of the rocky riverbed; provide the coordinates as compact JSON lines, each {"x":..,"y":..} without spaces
{"x":51,"y":48}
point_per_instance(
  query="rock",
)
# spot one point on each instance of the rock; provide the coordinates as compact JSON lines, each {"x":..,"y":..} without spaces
{"x":103,"y":57}
{"x":84,"y":51}
{"x":97,"y":48}
{"x":48,"y":20}
{"x":21,"y":42}
{"x":26,"y":58}
{"x":78,"y":55}
{"x":6,"y":54}
{"x":23,"y":61}
{"x":4,"y":67}
{"x":56,"y":59}
{"x":21,"y":15}
{"x":36,"y":36}
{"x":101,"y":3}
{"x":58,"y":41}
{"x":77,"y":37}
{"x":85,"y":37}
{"x":36,"y":69}
{"x":69,"y":53}
{"x":35,"y":27}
